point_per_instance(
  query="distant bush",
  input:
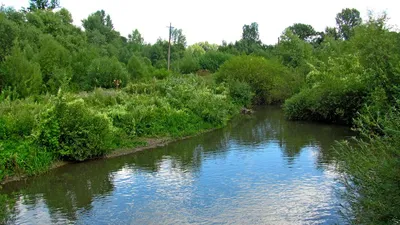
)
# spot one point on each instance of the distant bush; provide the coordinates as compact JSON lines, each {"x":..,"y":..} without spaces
{"x":161,"y":73}
{"x":23,"y":76}
{"x":265,"y":77}
{"x":212,"y":60}
{"x":240,"y":93}
{"x":137,"y":68}
{"x":103,"y":71}
{"x":334,"y":95}
{"x":188,"y":64}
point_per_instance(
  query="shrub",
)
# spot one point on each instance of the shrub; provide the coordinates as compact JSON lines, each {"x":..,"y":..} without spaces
{"x":335,"y":94}
{"x":370,"y":168}
{"x":137,"y":68}
{"x":161,"y":73}
{"x":17,"y":118}
{"x":103,"y":71}
{"x":212,"y":60}
{"x":72,"y":131}
{"x":240,"y":93}
{"x":21,"y":75}
{"x":264,"y":77}
{"x":22,"y":157}
{"x":188,"y":64}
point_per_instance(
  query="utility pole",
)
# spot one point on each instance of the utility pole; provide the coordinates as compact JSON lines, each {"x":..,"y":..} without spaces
{"x":169,"y":46}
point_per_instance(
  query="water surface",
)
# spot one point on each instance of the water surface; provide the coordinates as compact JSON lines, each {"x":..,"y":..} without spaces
{"x":261,"y":169}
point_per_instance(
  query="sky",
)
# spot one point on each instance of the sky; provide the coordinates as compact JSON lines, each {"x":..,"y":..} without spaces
{"x":218,"y":20}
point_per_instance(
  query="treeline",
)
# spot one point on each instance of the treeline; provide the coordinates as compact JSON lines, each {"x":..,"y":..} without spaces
{"x":73,"y":94}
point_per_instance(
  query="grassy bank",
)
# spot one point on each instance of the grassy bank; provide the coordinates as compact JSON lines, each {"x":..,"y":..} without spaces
{"x":35,"y":132}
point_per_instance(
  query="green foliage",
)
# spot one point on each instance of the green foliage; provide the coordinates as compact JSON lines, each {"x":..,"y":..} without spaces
{"x":240,"y":92}
{"x":346,"y":21}
{"x":43,"y":4}
{"x":212,"y":60}
{"x":17,"y":118}
{"x":137,"y":68}
{"x":303,"y":31}
{"x":8,"y":32}
{"x":22,"y":158}
{"x":334,"y":95}
{"x":21,"y":75}
{"x":370,"y":168}
{"x":250,"y":33}
{"x":188,"y":64}
{"x":161,"y":73}
{"x":103,"y":71}
{"x":54,"y":63}
{"x":293,"y":51}
{"x":264,"y":76}
{"x":72,"y":131}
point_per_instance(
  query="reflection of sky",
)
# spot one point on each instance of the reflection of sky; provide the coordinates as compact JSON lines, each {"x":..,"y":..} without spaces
{"x":242,"y":187}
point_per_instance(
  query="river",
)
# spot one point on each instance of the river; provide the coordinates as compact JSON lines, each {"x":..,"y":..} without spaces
{"x":260,"y":169}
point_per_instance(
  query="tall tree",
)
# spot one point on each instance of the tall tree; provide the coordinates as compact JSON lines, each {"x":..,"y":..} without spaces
{"x":346,"y":21}
{"x":250,"y":33}
{"x":43,"y":4}
{"x":303,"y":31}
{"x":178,"y":37}
{"x":100,"y":23}
{"x":136,"y":37}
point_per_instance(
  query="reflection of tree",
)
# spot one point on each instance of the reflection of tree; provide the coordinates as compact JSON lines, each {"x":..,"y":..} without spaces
{"x":269,"y":124}
{"x":67,"y":189}
{"x":187,"y":154}
{"x":71,"y":188}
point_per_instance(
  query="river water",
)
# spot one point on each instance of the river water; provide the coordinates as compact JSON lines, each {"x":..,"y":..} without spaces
{"x":260,"y":169}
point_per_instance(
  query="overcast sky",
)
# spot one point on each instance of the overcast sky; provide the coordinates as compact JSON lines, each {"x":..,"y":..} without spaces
{"x":217,"y":20}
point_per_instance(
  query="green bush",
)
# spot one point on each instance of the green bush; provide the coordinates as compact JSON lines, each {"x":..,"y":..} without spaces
{"x":72,"y":131}
{"x":17,"y":118}
{"x":188,"y":64}
{"x":103,"y":71}
{"x":370,"y":168}
{"x":161,"y":73}
{"x":137,"y":68}
{"x":22,"y":158}
{"x":264,"y":76}
{"x":21,"y":75}
{"x":335,"y":94}
{"x":240,"y":93}
{"x":212,"y":60}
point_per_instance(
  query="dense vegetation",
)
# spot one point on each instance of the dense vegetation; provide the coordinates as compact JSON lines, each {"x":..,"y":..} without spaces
{"x":69,"y":94}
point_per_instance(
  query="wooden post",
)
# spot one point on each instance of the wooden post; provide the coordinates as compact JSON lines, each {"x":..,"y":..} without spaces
{"x":169,"y":46}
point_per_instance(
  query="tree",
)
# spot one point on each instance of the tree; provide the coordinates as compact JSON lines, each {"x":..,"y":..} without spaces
{"x":136,"y":37}
{"x":20,"y":74}
{"x":250,"y":33}
{"x":177,"y":37}
{"x":101,"y":22}
{"x":43,"y":4}
{"x":303,"y":31}
{"x":332,"y":32}
{"x":346,"y":21}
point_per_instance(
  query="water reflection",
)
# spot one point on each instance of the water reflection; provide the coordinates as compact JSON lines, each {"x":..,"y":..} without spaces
{"x":259,"y":169}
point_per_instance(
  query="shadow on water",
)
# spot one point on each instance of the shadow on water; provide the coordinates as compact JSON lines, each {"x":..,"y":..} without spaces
{"x":63,"y":194}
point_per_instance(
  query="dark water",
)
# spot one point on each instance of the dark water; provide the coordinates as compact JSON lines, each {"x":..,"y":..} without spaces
{"x":260,"y":169}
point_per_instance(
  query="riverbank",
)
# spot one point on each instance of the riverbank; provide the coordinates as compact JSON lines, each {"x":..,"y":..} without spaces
{"x":37,"y":132}
{"x":148,"y":144}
